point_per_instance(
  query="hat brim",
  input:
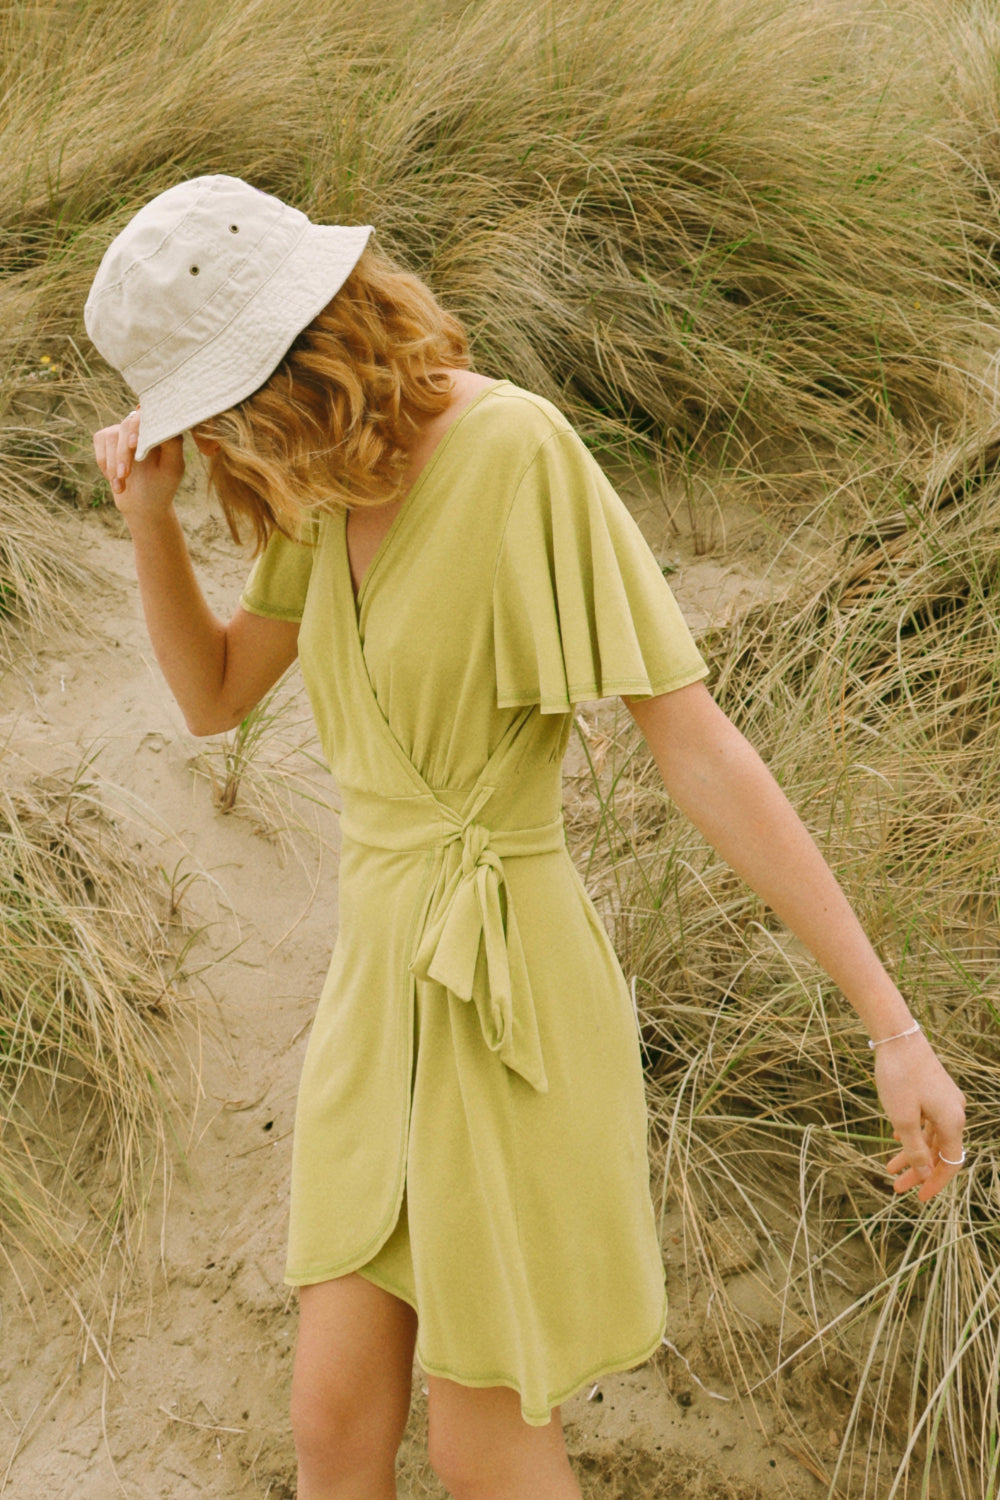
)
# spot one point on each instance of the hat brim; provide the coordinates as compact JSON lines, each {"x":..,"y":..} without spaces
{"x":242,"y":356}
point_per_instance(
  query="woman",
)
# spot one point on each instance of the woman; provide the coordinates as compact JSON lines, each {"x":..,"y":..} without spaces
{"x":454,"y":573}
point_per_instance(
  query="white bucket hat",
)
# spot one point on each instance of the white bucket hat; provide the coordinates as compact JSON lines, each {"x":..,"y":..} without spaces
{"x":200,"y":297}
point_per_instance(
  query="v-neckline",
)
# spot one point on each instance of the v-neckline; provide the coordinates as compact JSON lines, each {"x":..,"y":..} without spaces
{"x":406,"y":505}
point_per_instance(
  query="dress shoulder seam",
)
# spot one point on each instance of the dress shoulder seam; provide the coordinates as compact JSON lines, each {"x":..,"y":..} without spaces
{"x":547,"y":410}
{"x":554,"y":435}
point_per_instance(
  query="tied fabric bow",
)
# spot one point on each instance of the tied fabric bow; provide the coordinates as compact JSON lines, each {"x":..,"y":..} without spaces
{"x":464,"y":915}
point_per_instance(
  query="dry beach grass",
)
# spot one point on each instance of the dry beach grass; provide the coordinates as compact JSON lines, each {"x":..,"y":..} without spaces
{"x":752,"y":249}
{"x":87,"y":964}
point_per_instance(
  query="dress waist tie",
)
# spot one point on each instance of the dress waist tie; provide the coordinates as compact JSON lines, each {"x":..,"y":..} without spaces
{"x":464,"y":912}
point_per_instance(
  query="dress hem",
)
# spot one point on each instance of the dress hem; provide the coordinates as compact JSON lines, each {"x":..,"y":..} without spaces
{"x":354,"y":1265}
{"x":482,"y":1382}
{"x":590,"y":692}
{"x":270,"y":611}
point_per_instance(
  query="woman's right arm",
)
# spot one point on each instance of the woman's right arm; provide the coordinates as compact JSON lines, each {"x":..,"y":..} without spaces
{"x":217,"y":672}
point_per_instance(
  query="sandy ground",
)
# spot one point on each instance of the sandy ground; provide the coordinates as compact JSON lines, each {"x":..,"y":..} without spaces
{"x":186,"y":1395}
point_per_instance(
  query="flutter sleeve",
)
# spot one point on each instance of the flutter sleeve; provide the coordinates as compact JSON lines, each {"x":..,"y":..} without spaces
{"x":279,"y":579}
{"x":581,"y":609}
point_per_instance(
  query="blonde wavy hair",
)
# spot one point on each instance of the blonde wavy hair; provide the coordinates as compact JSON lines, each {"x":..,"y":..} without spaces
{"x":332,"y":424}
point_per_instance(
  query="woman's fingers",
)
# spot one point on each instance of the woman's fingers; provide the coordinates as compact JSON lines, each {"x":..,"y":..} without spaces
{"x":946,"y":1157}
{"x":106,"y":450}
{"x":949,"y":1149}
{"x":128,"y":440}
{"x":915,"y":1148}
{"x":927,"y":1111}
{"x":897,"y":1163}
{"x":114,"y":450}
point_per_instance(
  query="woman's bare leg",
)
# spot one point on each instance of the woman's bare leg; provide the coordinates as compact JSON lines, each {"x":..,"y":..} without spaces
{"x":350,"y":1389}
{"x":482,"y":1449}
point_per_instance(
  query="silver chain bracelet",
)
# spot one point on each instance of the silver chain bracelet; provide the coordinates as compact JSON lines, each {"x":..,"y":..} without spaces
{"x":910,"y":1031}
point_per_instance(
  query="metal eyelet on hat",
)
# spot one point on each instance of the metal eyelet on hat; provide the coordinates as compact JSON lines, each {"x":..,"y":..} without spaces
{"x":194,"y":270}
{"x":234,"y":229}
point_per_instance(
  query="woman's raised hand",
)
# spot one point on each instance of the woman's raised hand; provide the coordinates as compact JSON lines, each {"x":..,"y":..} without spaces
{"x":145,"y":488}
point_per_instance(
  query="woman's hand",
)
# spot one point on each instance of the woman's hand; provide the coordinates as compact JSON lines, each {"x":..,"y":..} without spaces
{"x":926,"y":1109}
{"x":217,"y":672}
{"x":139,"y":489}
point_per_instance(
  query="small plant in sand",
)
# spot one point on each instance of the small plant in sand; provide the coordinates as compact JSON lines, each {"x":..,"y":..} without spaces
{"x":267,"y":763}
{"x":239,"y":750}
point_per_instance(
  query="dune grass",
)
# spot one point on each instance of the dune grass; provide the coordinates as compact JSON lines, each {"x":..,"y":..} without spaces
{"x":748,"y":243}
{"x":87,"y":964}
{"x":40,"y":579}
{"x":755,"y":253}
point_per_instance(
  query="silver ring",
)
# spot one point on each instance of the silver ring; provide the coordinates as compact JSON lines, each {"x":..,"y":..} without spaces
{"x":959,"y":1163}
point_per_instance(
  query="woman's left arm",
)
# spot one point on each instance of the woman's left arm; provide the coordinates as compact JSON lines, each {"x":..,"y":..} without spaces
{"x":720,"y":782}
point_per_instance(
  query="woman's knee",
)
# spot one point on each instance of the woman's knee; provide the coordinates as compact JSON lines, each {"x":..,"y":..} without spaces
{"x":471,"y":1472}
{"x":351,"y":1381}
{"x":480,"y":1446}
{"x":342,"y":1428}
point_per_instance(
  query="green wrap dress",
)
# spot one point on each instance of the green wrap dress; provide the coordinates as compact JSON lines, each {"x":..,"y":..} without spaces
{"x":471,"y":1130}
